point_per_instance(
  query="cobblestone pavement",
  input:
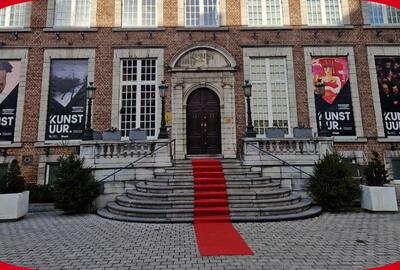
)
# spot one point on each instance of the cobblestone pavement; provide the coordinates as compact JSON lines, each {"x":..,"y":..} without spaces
{"x":331,"y":241}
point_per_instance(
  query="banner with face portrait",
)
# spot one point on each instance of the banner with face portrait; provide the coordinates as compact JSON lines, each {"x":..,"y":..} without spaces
{"x":334,"y":108}
{"x":9,"y":83}
{"x":67,"y":99}
{"x":388,"y":72}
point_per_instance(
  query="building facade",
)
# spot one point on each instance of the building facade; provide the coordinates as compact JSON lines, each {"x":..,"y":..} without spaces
{"x":205,"y":50}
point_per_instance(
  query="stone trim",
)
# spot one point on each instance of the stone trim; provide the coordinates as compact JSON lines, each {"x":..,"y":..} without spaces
{"x":134,"y":53}
{"x":51,"y":6}
{"x":22,"y":55}
{"x":372,"y":52}
{"x":286,"y":52}
{"x":181,"y":13}
{"x":284,"y":9}
{"x":335,"y":51}
{"x":50,"y":54}
{"x":159,"y":14}
{"x":344,"y":9}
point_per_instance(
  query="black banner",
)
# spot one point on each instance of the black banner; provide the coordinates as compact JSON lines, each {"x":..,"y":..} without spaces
{"x":333,"y":105}
{"x":388,"y":72}
{"x":9,"y":82}
{"x":67,"y":99}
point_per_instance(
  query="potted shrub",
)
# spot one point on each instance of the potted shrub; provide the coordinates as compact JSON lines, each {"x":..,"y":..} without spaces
{"x":332,"y":185}
{"x":14,"y":199}
{"x":112,"y":134}
{"x":75,"y":187}
{"x":375,"y":195}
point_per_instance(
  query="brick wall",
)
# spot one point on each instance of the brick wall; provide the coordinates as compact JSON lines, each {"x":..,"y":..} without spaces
{"x":105,"y":40}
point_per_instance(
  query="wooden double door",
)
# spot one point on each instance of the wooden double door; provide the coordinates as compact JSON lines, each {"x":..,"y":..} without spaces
{"x":203,"y":126}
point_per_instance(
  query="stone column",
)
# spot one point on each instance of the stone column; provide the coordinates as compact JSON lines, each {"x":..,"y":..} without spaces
{"x":178,"y":118}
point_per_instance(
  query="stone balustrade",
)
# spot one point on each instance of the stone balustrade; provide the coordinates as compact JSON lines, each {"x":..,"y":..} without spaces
{"x":257,"y":151}
{"x":106,"y":157}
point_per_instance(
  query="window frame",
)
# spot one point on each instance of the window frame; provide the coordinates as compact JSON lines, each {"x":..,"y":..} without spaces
{"x":323,"y":14}
{"x":138,"y":84}
{"x":72,"y":19}
{"x":47,"y":171}
{"x":25,"y":21}
{"x":384,"y":9}
{"x":201,"y":19}
{"x":140,"y":16}
{"x":264,"y":15}
{"x":269,"y":96}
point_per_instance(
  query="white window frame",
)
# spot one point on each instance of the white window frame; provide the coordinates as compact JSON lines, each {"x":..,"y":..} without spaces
{"x":72,"y":19}
{"x":26,"y":19}
{"x":201,"y":8}
{"x":323,"y":13}
{"x":384,"y":15}
{"x":138,"y":84}
{"x":139,"y":15}
{"x":268,"y":81}
{"x":51,"y":8}
{"x":273,"y":52}
{"x":264,"y":15}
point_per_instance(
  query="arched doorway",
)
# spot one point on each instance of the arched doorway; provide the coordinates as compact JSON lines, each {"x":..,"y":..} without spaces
{"x":203,"y":123}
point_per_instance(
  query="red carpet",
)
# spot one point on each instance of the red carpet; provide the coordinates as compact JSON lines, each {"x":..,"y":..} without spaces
{"x":395,"y":266}
{"x":214,"y":232}
{"x":4,"y":266}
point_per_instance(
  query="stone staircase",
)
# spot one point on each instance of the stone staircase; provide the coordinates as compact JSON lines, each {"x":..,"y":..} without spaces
{"x":169,"y":197}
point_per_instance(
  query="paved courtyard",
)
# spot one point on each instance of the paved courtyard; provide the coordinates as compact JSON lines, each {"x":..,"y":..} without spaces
{"x":331,"y":241}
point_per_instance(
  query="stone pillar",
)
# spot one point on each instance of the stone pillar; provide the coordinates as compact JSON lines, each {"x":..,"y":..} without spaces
{"x":228,"y":122}
{"x":178,"y":118}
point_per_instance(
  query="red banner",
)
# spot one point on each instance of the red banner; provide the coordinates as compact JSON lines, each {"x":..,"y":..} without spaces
{"x":393,"y":3}
{"x":6,"y":3}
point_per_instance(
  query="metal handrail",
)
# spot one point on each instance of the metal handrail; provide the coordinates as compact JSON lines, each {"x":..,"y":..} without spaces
{"x":139,"y":159}
{"x":281,"y":160}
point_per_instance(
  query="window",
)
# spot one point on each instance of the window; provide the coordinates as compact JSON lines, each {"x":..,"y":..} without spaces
{"x":201,"y":13}
{"x":51,"y":173}
{"x":269,"y":99}
{"x":139,"y":13}
{"x":13,"y":16}
{"x":396,"y":168}
{"x":264,"y":12}
{"x":324,"y":12}
{"x":383,"y":14}
{"x":72,"y":13}
{"x":138,"y":96}
{"x":3,"y":169}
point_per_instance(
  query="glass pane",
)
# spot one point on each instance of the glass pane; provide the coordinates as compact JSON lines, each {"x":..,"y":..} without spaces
{"x":129,"y":12}
{"x":17,"y":16}
{"x":332,"y":10}
{"x":254,"y":9}
{"x":192,"y":12}
{"x":279,"y":95}
{"x":314,"y":12}
{"x":393,"y":15}
{"x":273,"y":9}
{"x":210,"y":13}
{"x":375,"y":13}
{"x":3,"y":169}
{"x":396,"y":168}
{"x":82,"y":13}
{"x":52,"y":169}
{"x":149,"y":12}
{"x":62,"y":15}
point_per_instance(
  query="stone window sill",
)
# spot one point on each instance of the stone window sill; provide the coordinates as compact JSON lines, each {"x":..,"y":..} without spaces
{"x":350,"y":139}
{"x":138,"y":29}
{"x":327,"y":27}
{"x":12,"y":30}
{"x":389,"y":139}
{"x":384,"y":26}
{"x":202,"y":29}
{"x":71,"y":143}
{"x":266,"y":28}
{"x":70,"y":29}
{"x":10,"y":145}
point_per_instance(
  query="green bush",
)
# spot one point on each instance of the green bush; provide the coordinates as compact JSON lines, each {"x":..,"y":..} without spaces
{"x":375,"y":173}
{"x":12,"y":181}
{"x":75,"y":187}
{"x":41,"y":193}
{"x":332,"y":185}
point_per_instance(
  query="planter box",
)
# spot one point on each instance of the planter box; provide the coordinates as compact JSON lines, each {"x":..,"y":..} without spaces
{"x":97,"y":136}
{"x":111,"y":136}
{"x":137,"y":135}
{"x":379,"y":198}
{"x":274,"y":133}
{"x":302,"y":132}
{"x":14,"y":206}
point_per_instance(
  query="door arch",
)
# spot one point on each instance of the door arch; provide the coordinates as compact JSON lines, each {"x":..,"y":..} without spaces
{"x":203,"y":122}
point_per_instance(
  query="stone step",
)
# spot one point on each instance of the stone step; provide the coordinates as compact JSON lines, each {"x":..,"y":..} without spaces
{"x":243,"y":180}
{"x":157,"y":204}
{"x":115,"y":208}
{"x":162,"y":189}
{"x":228,"y":175}
{"x":229,"y":167}
{"x":189,"y":195}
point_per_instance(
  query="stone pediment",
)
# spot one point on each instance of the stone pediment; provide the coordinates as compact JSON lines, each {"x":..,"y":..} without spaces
{"x":203,"y":58}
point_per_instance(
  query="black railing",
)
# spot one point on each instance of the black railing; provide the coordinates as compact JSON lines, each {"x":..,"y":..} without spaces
{"x":281,"y":160}
{"x":130,"y":165}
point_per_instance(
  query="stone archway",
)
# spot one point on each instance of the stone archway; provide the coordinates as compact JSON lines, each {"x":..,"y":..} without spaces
{"x":197,"y":67}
